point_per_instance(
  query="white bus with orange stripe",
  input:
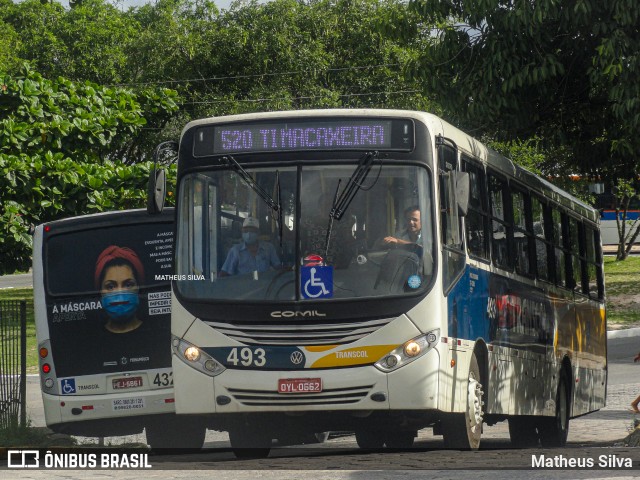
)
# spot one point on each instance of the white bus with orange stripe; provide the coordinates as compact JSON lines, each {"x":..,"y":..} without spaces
{"x":421,"y":281}
{"x":102,"y":312}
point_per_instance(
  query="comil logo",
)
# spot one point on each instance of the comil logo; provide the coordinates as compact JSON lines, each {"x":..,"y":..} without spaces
{"x":23,"y":459}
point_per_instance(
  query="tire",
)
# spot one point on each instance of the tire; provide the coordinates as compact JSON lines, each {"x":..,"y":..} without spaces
{"x":320,"y":437}
{"x":370,"y":439}
{"x":463,"y":431}
{"x":400,"y":440}
{"x":555,"y":430}
{"x":523,"y":431}
{"x":174,"y":433}
{"x":247,"y":443}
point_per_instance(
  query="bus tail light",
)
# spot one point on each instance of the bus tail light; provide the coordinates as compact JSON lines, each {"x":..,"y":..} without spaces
{"x":196,"y":358}
{"x":410,"y":351}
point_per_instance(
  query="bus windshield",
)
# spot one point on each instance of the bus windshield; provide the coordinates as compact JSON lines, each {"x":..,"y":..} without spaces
{"x":231,"y":245}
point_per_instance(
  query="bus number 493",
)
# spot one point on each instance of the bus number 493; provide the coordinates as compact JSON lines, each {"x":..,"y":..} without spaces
{"x":247,"y":357}
{"x":163,"y":379}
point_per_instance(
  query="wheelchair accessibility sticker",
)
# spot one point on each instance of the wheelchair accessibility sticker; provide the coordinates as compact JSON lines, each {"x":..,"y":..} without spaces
{"x":316,"y":282}
{"x":68,"y":386}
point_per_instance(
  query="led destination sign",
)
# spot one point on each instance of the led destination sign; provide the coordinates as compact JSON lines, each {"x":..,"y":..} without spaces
{"x":338,"y":134}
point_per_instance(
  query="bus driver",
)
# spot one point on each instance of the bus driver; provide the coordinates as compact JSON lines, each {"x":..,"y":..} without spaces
{"x":412,"y":234}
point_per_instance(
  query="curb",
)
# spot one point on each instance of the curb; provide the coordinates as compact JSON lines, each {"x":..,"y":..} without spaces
{"x":626,"y":333}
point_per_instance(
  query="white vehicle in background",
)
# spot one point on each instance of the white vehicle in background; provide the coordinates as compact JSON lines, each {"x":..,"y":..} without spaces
{"x":102,"y":310}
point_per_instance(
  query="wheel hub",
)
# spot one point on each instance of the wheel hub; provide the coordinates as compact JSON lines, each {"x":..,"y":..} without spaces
{"x":475,"y":405}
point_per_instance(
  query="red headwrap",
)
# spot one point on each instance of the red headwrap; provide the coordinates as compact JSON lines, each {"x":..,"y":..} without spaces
{"x":114,"y":252}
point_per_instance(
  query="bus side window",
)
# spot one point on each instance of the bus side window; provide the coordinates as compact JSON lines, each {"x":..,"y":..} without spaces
{"x":597,"y":243}
{"x":522,"y":231}
{"x":477,"y":219}
{"x":574,"y":246}
{"x":558,"y":243}
{"x":501,"y":228}
{"x":450,"y":221}
{"x":539,"y":214}
{"x":592,"y":265}
{"x":451,"y":225}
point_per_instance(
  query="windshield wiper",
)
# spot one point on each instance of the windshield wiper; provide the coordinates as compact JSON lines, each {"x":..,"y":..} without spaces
{"x":244,"y":175}
{"x":275,"y":206}
{"x":342,"y":201}
{"x":353,"y":186}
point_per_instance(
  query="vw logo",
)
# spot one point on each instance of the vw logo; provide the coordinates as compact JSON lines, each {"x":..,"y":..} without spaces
{"x":296,"y":357}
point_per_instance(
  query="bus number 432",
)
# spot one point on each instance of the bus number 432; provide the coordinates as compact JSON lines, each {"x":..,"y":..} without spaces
{"x":163,"y":379}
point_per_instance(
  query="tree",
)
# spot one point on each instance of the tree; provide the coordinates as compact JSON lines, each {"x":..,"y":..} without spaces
{"x":53,"y":136}
{"x":628,"y":230}
{"x":87,"y":42}
{"x":284,"y":54}
{"x":563,"y":70}
{"x":9,"y":44}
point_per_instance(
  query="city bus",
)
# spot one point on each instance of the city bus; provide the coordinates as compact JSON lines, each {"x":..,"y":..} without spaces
{"x":379,"y":272}
{"x":605,"y":202}
{"x":102,"y":312}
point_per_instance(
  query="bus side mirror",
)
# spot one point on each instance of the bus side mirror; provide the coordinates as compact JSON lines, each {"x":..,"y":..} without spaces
{"x":462,"y":192}
{"x":156,"y":190}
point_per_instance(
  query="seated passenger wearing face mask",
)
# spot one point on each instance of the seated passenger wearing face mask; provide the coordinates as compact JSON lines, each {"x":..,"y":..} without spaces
{"x":251,"y":255}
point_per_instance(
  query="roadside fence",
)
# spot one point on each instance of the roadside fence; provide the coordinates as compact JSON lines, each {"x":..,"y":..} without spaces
{"x":13,"y":363}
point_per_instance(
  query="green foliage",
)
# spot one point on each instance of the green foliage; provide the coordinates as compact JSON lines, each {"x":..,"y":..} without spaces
{"x":93,"y":99}
{"x":83,"y":120}
{"x":57,"y":140}
{"x":563,"y":70}
{"x":279,"y":55}
{"x":621,"y":279}
{"x":9,"y":43}
{"x":88,"y":41}
{"x":40,"y":188}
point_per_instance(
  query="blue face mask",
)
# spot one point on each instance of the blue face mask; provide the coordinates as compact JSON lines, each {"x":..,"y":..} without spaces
{"x":250,"y":238}
{"x":120,"y":306}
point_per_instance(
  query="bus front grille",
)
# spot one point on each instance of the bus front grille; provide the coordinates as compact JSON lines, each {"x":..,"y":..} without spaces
{"x":299,"y":332}
{"x":335,"y":396}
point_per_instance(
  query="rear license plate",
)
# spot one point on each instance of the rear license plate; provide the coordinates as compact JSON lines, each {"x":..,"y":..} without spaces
{"x":299,"y":385}
{"x":127,"y":382}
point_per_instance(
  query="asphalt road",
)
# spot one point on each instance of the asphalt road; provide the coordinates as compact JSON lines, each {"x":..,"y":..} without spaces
{"x":16,"y":281}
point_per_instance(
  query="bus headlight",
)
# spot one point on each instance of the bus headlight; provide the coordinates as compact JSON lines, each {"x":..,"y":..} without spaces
{"x":410,"y":351}
{"x":196,"y":358}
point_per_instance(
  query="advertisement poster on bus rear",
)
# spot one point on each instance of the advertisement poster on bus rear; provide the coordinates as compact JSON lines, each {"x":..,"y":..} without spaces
{"x":106,"y":311}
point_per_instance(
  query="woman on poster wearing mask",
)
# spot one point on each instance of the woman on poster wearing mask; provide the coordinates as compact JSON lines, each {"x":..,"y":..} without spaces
{"x":118,"y":275}
{"x":251,"y":255}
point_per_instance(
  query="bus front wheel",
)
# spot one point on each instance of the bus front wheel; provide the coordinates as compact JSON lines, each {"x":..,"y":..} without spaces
{"x":523,"y":431}
{"x":370,"y":439}
{"x":463,"y":430}
{"x":174,"y":433}
{"x":250,"y":443}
